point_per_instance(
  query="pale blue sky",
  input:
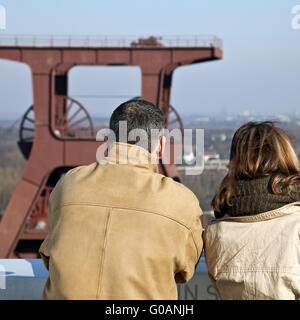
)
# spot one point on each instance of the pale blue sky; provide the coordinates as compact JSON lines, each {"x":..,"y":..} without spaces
{"x":260,"y":71}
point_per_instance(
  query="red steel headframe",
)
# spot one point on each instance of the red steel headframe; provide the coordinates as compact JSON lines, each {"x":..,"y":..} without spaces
{"x":52,"y":153}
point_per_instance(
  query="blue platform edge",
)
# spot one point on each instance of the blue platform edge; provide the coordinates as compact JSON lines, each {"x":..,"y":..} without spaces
{"x":34,"y":268}
{"x":23,"y":268}
{"x":201,"y":266}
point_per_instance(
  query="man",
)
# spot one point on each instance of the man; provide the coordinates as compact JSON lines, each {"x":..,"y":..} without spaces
{"x":118,"y":228}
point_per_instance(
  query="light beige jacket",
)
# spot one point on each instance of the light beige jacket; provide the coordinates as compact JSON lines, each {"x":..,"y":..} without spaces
{"x":256,"y":257}
{"x":120,"y":231}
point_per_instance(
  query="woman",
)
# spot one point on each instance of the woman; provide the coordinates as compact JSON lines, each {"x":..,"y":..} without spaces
{"x":252,"y":249}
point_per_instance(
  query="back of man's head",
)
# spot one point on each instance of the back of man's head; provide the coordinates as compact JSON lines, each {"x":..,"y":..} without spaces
{"x":143,"y":120}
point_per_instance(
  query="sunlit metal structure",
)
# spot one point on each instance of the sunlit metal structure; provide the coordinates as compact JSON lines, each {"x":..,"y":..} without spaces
{"x":57,"y":132}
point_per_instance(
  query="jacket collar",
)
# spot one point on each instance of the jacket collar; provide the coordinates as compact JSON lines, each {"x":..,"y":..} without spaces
{"x":123,"y":153}
{"x":279,"y":212}
{"x":255,"y":196}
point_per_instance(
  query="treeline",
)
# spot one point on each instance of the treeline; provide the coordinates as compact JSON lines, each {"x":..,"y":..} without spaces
{"x":205,"y":186}
{"x":12,"y":165}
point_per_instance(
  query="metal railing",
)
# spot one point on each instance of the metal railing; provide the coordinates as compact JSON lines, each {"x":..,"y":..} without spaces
{"x":110,"y":41}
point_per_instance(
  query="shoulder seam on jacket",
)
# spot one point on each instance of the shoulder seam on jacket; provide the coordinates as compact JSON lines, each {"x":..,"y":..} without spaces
{"x":125,"y":208}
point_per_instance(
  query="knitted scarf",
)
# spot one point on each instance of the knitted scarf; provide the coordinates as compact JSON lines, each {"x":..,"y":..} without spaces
{"x":255,"y":196}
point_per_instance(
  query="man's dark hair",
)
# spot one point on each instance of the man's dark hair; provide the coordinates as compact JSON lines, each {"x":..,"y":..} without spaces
{"x":138,"y":114}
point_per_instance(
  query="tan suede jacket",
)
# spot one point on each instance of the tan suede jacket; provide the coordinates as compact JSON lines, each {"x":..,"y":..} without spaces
{"x":120,"y":231}
{"x":256,"y":257}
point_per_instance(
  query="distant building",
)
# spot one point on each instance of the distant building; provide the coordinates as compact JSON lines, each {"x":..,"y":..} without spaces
{"x":223,"y":136}
{"x":283,"y":118}
{"x":190,"y":157}
{"x":203,"y":119}
{"x":211,"y":155}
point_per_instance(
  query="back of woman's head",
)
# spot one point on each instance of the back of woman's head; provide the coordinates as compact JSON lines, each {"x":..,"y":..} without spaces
{"x":259,"y":149}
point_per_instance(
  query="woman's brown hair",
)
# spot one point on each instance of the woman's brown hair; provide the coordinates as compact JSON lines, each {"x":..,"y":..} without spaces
{"x":259,"y":149}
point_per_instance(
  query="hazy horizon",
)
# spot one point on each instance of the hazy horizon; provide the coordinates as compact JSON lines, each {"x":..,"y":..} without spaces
{"x":258,"y":73}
